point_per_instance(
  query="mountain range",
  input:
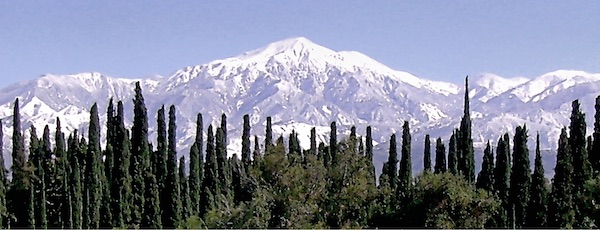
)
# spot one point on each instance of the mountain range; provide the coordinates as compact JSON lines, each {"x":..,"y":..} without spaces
{"x":302,"y":85}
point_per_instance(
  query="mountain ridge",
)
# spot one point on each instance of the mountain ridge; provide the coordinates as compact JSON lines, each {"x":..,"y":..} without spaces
{"x":301,"y":84}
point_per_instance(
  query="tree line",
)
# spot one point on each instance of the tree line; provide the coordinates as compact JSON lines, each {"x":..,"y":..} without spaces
{"x":129,"y":183}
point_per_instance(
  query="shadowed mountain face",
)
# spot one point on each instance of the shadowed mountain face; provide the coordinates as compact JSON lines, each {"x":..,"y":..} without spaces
{"x":303,"y":85}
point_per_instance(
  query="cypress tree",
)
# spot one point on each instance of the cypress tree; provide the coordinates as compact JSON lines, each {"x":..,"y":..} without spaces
{"x":161,"y":162}
{"x":502,"y":180}
{"x":520,"y":177}
{"x":427,"y":154}
{"x":390,"y":168}
{"x":224,"y":128}
{"x":93,"y":185}
{"x":561,"y":213}
{"x":173,"y":202}
{"x":294,"y":153}
{"x":184,"y":192}
{"x":333,"y":144}
{"x":106,"y":218}
{"x":256,"y":153}
{"x":63,"y":173}
{"x":3,"y":183}
{"x":595,"y":153}
{"x":485,"y":179}
{"x":581,"y":164}
{"x":313,"y":141}
{"x":76,"y":186}
{"x":210,"y":184}
{"x":20,"y":184}
{"x":452,"y":155}
{"x":538,"y":198}
{"x":369,"y":154}
{"x":140,"y":156}
{"x":152,"y":213}
{"x":465,"y":142}
{"x":121,"y":180}
{"x":405,"y":173}
{"x":39,"y":199}
{"x":222,"y":166}
{"x":246,"y":143}
{"x":268,"y":135}
{"x":196,"y":168}
{"x":51,"y":182}
{"x":440,"y":156}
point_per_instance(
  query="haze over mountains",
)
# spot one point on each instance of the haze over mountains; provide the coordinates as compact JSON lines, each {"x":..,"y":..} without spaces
{"x":303,"y":85}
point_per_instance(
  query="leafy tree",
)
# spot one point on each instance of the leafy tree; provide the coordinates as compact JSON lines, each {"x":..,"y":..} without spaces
{"x":440,"y":156}
{"x":538,"y":198}
{"x":427,"y":154}
{"x":561,"y":213}
{"x":485,"y":179}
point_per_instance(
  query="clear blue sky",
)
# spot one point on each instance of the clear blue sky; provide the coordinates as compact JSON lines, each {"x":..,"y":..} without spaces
{"x":442,"y":40}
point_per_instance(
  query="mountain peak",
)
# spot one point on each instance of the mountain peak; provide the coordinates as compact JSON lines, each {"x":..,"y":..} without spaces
{"x":295,"y":48}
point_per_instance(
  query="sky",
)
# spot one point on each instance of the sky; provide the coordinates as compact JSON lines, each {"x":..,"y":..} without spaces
{"x":438,"y":40}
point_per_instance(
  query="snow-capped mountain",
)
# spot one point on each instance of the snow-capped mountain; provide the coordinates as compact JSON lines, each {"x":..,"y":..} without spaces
{"x":302,"y":85}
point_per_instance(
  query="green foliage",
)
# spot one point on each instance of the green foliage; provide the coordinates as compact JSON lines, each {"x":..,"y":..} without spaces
{"x":246,"y":142}
{"x":440,"y":156}
{"x":427,"y":154}
{"x":405,"y":173}
{"x":502,"y":180}
{"x":595,"y":153}
{"x":520,"y":178}
{"x":140,"y":156}
{"x":196,"y":168}
{"x":561,"y":213}
{"x":538,"y":198}
{"x":485,"y":179}
{"x":172,"y":211}
{"x":464,"y":145}
{"x":452,"y":155}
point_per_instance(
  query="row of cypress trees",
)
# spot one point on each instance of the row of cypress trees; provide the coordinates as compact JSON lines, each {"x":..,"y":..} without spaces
{"x":131,"y":184}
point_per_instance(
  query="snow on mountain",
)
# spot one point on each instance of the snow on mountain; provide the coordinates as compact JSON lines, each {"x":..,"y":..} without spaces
{"x":302,"y":85}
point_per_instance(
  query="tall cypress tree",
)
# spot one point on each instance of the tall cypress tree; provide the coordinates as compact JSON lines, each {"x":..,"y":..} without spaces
{"x":256,"y":153}
{"x":246,"y":143}
{"x":595,"y":153}
{"x":538,"y":198}
{"x":224,"y":128}
{"x":196,"y":168}
{"x":106,"y":218}
{"x":581,"y":164}
{"x":49,"y":178}
{"x":369,"y":154}
{"x":313,"y":141}
{"x":210,"y":184}
{"x":333,"y":143}
{"x":427,"y":154}
{"x":294,"y":153}
{"x":465,"y":143}
{"x":520,"y":177}
{"x":140,"y":156}
{"x":18,"y":203}
{"x":63,"y":173}
{"x":440,"y":156}
{"x":184,"y":194}
{"x":92,"y":195}
{"x":173,"y":202}
{"x":452,"y":155}
{"x":561,"y":213}
{"x":39,"y":200}
{"x":161,"y":161}
{"x":121,"y":180}
{"x":3,"y":183}
{"x":485,"y":179}
{"x":502,"y":180}
{"x":222,"y":166}
{"x":268,"y":135}
{"x":152,"y":213}
{"x":76,"y":184}
{"x":405,"y":173}
{"x":390,"y":168}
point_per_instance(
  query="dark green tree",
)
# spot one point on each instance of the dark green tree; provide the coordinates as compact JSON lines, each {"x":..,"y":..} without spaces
{"x":37,"y":160}
{"x":210,"y":184}
{"x":108,"y":166}
{"x":161,"y":162}
{"x":184,"y":194}
{"x":140,"y":156}
{"x":295,"y":152}
{"x":595,"y":153}
{"x":17,"y":202}
{"x":196,"y":168}
{"x":224,"y":128}
{"x":246,"y":143}
{"x":369,"y":154}
{"x":268,"y":135}
{"x":389,"y":174}
{"x":440,"y":156}
{"x":151,"y":217}
{"x":502,"y":180}
{"x":465,"y":142}
{"x":222,"y":164}
{"x":485,"y":179}
{"x":561,"y":213}
{"x":76,"y":184}
{"x":427,"y":154}
{"x":405,"y":172}
{"x":333,"y":143}
{"x":538,"y":198}
{"x":121,"y":178}
{"x":62,"y":178}
{"x":313,"y":141}
{"x":452,"y":155}
{"x":171,"y":215}
{"x":92,"y":195}
{"x":520,"y":177}
{"x":3,"y":183}
{"x":582,"y":171}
